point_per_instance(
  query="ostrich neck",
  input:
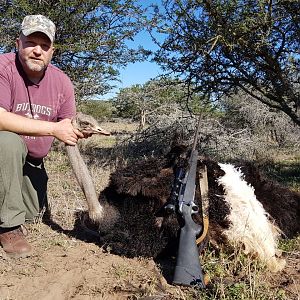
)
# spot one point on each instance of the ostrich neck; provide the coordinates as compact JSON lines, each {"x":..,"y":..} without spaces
{"x":83,"y":176}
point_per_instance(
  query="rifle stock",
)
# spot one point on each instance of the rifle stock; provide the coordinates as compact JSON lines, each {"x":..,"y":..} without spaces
{"x":188,"y":269}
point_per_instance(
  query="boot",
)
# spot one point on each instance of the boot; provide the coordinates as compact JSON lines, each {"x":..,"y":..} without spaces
{"x":14,"y":243}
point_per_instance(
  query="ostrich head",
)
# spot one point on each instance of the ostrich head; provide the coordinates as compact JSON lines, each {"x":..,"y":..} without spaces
{"x":88,"y":125}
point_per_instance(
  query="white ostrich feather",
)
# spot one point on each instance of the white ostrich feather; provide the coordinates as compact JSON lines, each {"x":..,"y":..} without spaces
{"x":250,"y":225}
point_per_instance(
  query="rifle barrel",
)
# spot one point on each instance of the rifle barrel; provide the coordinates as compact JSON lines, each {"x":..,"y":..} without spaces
{"x":187,"y":193}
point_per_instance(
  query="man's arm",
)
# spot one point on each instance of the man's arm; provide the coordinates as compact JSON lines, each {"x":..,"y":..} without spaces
{"x":62,"y":130}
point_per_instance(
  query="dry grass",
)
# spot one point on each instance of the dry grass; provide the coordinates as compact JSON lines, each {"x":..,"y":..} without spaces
{"x":117,"y":127}
{"x":233,"y":276}
{"x":68,"y":267}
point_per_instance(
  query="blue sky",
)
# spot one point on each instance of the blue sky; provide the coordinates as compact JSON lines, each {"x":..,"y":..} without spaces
{"x":140,"y":72}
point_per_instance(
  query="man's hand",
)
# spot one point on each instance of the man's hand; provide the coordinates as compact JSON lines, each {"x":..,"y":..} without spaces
{"x":62,"y":130}
{"x":65,"y":132}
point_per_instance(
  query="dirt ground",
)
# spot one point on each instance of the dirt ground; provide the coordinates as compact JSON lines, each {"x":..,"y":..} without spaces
{"x":64,"y":267}
{"x":68,"y":265}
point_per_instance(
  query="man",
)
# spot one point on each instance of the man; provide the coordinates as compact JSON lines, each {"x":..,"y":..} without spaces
{"x":36,"y":105}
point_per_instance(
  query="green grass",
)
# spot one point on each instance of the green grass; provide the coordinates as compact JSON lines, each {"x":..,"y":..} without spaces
{"x":290,"y":245}
{"x":285,"y":171}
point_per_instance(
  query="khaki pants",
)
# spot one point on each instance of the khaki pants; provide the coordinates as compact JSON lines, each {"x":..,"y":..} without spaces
{"x":23,"y":186}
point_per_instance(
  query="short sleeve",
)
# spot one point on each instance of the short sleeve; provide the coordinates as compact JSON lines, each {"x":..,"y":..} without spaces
{"x":67,"y":107}
{"x":5,"y":90}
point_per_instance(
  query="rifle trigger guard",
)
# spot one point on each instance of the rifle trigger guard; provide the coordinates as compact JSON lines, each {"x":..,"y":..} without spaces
{"x":195,"y":209}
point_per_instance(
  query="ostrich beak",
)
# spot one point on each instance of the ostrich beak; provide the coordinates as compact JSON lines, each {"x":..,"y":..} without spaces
{"x":98,"y":130}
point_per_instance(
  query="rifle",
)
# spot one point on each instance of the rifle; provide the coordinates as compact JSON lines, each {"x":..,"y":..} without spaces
{"x":188,"y":269}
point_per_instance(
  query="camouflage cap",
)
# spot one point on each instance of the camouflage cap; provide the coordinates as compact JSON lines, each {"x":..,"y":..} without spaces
{"x":40,"y":23}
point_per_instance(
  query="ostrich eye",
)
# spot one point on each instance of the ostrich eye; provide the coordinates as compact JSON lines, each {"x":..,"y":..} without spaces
{"x":84,"y":123}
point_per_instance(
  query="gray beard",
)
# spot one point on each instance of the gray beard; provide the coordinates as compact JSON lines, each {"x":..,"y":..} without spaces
{"x":35,"y":66}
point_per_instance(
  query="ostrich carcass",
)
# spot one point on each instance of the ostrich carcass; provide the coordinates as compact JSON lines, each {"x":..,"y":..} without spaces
{"x":141,"y":190}
{"x":87,"y":125}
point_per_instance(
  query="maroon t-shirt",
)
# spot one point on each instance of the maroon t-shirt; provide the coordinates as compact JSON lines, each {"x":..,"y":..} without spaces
{"x":52,"y":99}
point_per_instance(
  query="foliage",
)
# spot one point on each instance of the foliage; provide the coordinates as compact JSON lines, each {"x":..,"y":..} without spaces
{"x":221,"y":46}
{"x":157,"y":97}
{"x":100,"y":110}
{"x":243,"y":128}
{"x":90,"y":40}
{"x":146,"y":97}
{"x":269,"y":125}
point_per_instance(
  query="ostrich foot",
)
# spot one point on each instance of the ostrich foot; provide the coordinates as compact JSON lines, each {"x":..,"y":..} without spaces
{"x":96,"y":214}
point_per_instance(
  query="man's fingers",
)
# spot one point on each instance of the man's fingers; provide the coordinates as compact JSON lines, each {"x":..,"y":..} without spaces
{"x":78,"y":133}
{"x":70,"y":143}
{"x":73,"y":139}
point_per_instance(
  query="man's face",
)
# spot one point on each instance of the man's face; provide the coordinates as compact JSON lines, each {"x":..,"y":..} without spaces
{"x":35,"y":52}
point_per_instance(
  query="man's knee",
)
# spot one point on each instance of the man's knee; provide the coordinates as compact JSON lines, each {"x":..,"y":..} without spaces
{"x":11,"y":144}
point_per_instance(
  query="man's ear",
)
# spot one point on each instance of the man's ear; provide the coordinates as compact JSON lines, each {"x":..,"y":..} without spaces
{"x":17,"y":43}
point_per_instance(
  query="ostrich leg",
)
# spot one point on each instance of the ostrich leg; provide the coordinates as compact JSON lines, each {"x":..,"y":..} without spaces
{"x":85,"y":181}
{"x":86,"y":124}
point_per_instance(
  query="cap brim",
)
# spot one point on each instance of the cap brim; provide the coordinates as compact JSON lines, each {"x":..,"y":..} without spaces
{"x":27,"y":32}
